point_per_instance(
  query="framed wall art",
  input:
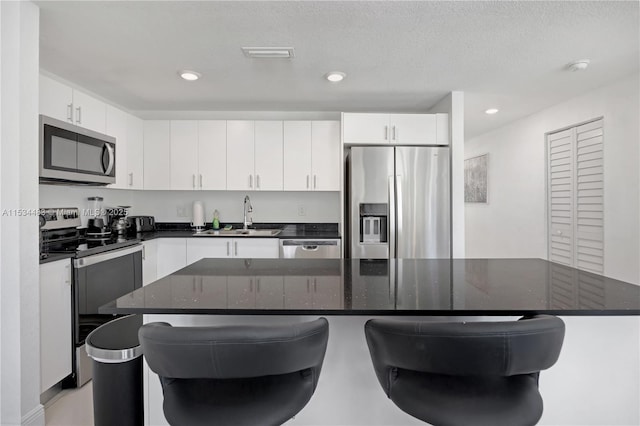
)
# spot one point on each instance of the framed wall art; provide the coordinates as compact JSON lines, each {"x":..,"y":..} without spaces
{"x":476,"y":182}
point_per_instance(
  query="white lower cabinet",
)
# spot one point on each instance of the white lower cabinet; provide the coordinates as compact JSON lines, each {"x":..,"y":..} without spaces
{"x":255,"y":248}
{"x":149,"y":261}
{"x":55,"y":322}
{"x":172,"y":255}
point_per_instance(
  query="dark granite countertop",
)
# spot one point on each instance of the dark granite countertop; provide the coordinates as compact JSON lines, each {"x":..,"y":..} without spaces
{"x":292,"y":231}
{"x":381,"y":287}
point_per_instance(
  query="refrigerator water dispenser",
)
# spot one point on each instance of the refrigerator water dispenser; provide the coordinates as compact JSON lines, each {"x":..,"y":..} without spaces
{"x":373,"y":223}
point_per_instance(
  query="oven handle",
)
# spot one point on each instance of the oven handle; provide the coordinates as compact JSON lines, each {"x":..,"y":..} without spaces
{"x":83,"y":262}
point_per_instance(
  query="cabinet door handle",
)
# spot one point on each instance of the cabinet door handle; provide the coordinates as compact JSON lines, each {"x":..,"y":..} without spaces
{"x":307,"y":181}
{"x":315,"y":181}
{"x":315,"y":286}
{"x":144,"y":254}
{"x":386,"y":133}
{"x":394,"y":133}
{"x":79,"y":115}
{"x":258,"y":285}
{"x":258,"y":181}
{"x":250,"y":181}
{"x":308,"y":285}
{"x":131,"y":179}
{"x":251,"y":285}
{"x":236,"y":247}
{"x":200,"y":180}
{"x":70,"y":112}
{"x":193,"y":181}
{"x":228,"y":253}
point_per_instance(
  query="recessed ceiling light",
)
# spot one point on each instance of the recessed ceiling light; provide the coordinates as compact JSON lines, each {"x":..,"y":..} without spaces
{"x":268,"y":52}
{"x":189,"y":75}
{"x":579,"y":65}
{"x":335,"y":76}
{"x":491,"y":111}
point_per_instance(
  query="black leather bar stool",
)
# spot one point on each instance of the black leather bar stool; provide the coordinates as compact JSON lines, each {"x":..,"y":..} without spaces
{"x":470,"y":373}
{"x":235,"y":375}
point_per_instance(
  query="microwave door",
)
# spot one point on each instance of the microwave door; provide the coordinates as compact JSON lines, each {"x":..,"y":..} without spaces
{"x":95,"y":156}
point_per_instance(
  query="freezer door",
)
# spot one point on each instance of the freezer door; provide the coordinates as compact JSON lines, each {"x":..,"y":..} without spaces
{"x":370,"y":193}
{"x":423,"y":209}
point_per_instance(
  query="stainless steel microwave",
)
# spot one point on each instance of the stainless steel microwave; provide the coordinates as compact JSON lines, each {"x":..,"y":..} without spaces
{"x":72,"y":154}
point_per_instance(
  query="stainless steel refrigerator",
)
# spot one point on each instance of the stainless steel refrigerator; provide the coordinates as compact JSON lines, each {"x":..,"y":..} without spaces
{"x":398,"y":203}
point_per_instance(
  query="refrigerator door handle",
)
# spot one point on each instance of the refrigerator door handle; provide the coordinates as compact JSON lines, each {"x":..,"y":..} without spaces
{"x":392,"y":218}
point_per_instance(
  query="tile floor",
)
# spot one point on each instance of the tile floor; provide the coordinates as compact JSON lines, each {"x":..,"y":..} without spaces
{"x":71,"y":407}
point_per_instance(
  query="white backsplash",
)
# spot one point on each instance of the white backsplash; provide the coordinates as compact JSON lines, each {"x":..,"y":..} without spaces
{"x":176,"y":206}
{"x":76,"y":196}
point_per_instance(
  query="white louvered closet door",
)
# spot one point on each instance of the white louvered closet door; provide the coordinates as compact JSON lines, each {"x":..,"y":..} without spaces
{"x":576,"y":197}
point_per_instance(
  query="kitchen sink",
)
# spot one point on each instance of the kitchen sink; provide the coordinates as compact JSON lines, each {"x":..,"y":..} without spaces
{"x":238,"y":233}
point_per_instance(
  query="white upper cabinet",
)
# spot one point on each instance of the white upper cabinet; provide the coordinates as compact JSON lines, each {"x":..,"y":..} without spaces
{"x":297,"y":155}
{"x":60,"y":101}
{"x":88,"y":112}
{"x":135,"y":152}
{"x":198,"y":154}
{"x":268,"y":155}
{"x":254,"y":155}
{"x":402,"y":129}
{"x":325,"y":155}
{"x":157,"y":154}
{"x":312,"y":155}
{"x":412,"y":129}
{"x":212,"y":154}
{"x":366,"y":128}
{"x":117,"y":127}
{"x":184,"y":154}
{"x":56,"y":99}
{"x":240,"y":152}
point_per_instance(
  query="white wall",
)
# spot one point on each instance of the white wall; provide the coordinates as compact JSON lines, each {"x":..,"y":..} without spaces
{"x":19,"y":290}
{"x":267,"y":206}
{"x":513,"y":223}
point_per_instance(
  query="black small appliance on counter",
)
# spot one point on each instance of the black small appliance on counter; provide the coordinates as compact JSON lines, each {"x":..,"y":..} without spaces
{"x":139,"y":224}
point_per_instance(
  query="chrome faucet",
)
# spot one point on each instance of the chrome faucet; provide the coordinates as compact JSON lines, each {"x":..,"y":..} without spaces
{"x":247,"y":209}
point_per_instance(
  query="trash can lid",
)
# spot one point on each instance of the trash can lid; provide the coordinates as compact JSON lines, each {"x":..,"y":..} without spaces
{"x":115,"y":341}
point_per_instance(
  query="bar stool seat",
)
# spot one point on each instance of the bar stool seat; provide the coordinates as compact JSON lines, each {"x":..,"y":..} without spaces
{"x":235,"y":375}
{"x":474,"y":373}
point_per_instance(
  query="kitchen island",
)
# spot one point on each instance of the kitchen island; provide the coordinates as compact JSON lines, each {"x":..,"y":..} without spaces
{"x":596,"y":380}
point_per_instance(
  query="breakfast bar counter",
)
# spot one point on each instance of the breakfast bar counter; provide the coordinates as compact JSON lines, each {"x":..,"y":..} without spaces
{"x":381,"y":287}
{"x":596,"y":380}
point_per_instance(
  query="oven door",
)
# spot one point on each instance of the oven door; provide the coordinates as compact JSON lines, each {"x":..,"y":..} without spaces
{"x":99,"y":279}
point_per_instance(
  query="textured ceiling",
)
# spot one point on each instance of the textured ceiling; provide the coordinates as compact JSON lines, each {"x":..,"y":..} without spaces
{"x":398,"y":56}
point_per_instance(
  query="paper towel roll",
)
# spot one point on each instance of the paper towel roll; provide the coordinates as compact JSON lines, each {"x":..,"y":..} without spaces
{"x":197,"y":220}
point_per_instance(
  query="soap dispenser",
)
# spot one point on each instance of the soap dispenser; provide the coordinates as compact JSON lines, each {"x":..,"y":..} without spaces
{"x":216,"y":220}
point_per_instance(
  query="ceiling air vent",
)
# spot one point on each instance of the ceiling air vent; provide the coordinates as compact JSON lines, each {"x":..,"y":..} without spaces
{"x":268,"y":52}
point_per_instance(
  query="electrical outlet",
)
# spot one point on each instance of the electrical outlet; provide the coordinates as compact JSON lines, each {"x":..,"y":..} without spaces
{"x":180,"y":211}
{"x":302,"y":210}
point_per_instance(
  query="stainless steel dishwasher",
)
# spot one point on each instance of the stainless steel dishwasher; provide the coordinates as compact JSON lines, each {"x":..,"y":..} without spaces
{"x":320,"y":248}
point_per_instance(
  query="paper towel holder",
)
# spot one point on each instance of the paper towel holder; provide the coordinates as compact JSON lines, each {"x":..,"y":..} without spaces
{"x":197,"y":221}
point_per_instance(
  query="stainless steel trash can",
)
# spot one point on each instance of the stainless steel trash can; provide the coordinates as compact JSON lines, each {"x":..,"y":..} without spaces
{"x":117,"y":372}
